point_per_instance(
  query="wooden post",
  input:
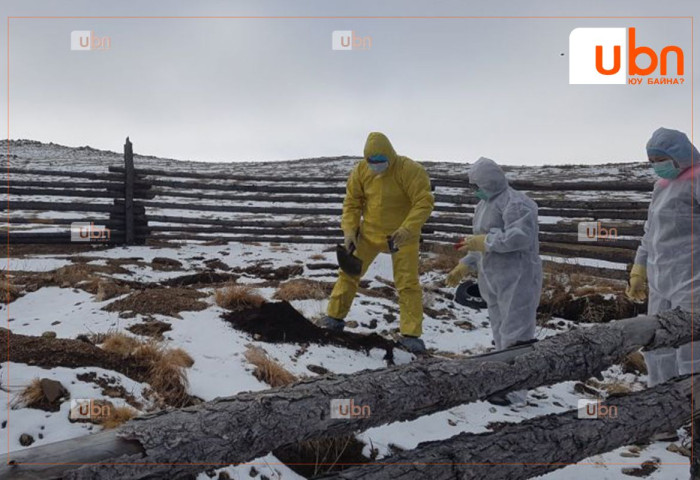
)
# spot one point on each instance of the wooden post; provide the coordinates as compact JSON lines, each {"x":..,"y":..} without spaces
{"x":129,"y":176}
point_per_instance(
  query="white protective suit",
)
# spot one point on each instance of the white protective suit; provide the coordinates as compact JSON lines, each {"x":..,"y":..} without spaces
{"x":510,"y":269}
{"x":666,"y":250}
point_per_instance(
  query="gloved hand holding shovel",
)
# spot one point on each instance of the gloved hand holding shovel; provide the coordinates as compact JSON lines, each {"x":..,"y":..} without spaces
{"x":348,"y":262}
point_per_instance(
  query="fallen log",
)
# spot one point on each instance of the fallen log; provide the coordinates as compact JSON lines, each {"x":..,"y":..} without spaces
{"x":249,"y":425}
{"x":539,"y":445}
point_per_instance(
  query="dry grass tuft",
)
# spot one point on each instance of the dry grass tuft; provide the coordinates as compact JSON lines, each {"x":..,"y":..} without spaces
{"x":179,"y":357}
{"x":612,"y":387}
{"x":31,"y":395}
{"x":302,"y":289}
{"x":617,"y":388}
{"x":267,"y":369}
{"x":168,"y":377}
{"x":238,"y":297}
{"x":78,"y":275}
{"x":166,"y":366}
{"x":107,"y":289}
{"x":319,"y":456}
{"x":120,"y":343}
{"x":10,"y":292}
{"x":634,"y":363}
{"x":117,"y":416}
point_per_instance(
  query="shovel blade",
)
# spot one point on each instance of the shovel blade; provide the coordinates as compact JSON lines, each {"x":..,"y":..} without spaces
{"x":348,"y":262}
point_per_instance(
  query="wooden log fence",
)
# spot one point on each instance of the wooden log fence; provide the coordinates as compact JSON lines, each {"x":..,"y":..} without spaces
{"x":251,"y":424}
{"x":457,"y":181}
{"x":142,"y":203}
{"x":123,"y":221}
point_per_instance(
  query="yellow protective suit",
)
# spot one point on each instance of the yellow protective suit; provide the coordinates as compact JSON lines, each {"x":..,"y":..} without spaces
{"x":376,"y":205}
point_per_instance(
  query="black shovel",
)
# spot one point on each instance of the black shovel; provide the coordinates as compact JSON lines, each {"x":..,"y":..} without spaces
{"x":348,"y":262}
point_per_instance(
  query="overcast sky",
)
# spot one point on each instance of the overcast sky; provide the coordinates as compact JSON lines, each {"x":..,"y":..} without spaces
{"x":270,"y":89}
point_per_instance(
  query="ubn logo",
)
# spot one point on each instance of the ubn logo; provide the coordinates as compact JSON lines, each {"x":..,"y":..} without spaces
{"x":594,"y":231}
{"x":348,"y":40}
{"x":600,"y":55}
{"x":89,"y":232}
{"x":346,"y":408}
{"x":86,"y":409}
{"x":595,"y":409}
{"x":87,"y":40}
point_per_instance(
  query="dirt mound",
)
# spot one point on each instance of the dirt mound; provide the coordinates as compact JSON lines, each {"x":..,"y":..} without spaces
{"x":216,"y":264}
{"x":107,"y":289}
{"x":151,"y":364}
{"x":261,"y":270}
{"x":280,"y":322}
{"x":84,"y":276}
{"x":165,"y":264}
{"x":202,"y":278}
{"x":110,"y":387}
{"x":153,"y":328}
{"x":164,"y":301}
{"x":62,"y":352}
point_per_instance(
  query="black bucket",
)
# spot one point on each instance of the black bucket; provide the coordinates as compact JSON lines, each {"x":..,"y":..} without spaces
{"x":468,"y":294}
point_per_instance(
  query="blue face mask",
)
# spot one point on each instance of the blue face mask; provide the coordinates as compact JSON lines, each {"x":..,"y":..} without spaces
{"x":666,"y":169}
{"x":481,"y":194}
{"x":379,"y":167}
{"x":378,"y":163}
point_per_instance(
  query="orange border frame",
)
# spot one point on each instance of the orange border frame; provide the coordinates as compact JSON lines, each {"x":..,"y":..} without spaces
{"x":692,"y":101}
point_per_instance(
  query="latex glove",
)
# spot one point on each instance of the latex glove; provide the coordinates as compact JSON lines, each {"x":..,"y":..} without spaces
{"x":638,"y":283}
{"x":456,"y":275}
{"x":350,"y":240}
{"x":473,"y":243}
{"x":401,"y":237}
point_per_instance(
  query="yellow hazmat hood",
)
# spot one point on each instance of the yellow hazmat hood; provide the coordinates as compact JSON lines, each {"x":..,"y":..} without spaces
{"x":378,"y":144}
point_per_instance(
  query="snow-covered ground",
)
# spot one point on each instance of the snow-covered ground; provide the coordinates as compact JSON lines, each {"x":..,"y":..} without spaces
{"x":220,"y":368}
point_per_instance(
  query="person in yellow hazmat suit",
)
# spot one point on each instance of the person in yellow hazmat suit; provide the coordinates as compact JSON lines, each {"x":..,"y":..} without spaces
{"x":388,"y":195}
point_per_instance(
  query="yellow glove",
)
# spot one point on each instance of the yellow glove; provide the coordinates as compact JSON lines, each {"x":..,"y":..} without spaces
{"x":401,"y":236}
{"x":456,"y":275}
{"x":638,"y":284}
{"x":473,"y":243}
{"x":349,"y":240}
